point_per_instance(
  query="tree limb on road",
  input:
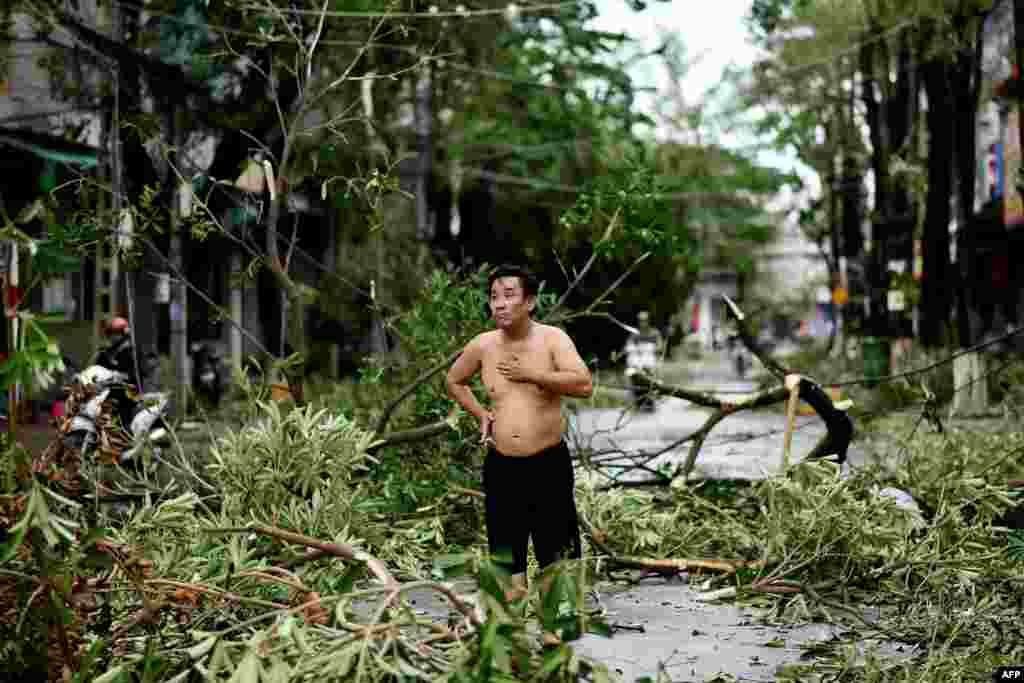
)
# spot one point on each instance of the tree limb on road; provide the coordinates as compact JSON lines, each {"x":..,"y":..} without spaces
{"x":838,"y":424}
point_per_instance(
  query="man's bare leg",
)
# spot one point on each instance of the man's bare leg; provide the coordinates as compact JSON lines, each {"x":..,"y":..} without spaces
{"x":519,"y":588}
{"x":547,"y":638}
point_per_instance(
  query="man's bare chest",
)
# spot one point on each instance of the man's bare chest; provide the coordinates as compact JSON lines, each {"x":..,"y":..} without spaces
{"x":534,"y":357}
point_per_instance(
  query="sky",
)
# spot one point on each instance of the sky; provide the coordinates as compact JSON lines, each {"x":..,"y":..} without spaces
{"x":713,"y":31}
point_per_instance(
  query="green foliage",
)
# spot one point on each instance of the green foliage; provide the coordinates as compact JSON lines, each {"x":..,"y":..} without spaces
{"x":35,"y":360}
{"x":449,"y":310}
{"x":1015,"y":545}
{"x":645,"y":218}
{"x":297,"y":466}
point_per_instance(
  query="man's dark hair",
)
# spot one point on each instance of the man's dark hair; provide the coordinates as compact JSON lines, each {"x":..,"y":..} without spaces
{"x":526,"y":278}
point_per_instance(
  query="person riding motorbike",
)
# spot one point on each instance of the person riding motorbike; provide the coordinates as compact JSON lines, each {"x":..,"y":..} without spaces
{"x":118,"y":353}
{"x":644,"y":347}
{"x":116,"y":373}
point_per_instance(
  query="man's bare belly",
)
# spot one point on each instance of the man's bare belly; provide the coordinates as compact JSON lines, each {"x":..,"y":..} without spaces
{"x":527,"y":418}
{"x":524,"y":425}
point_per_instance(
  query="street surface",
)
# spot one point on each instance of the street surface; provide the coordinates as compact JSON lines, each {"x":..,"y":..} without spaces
{"x":746,"y":445}
{"x":691,"y":639}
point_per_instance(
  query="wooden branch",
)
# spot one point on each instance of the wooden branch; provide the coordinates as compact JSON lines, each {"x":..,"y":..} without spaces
{"x":311,"y":556}
{"x":700,"y":398}
{"x":664,"y":566}
{"x":588,"y":265}
{"x":407,"y":435}
{"x":389,"y":409}
{"x":469,"y":492}
{"x":341,"y":550}
{"x":791,"y":404}
{"x":671,"y":566}
{"x":750,"y":342}
{"x":838,"y":424}
{"x":698,"y":442}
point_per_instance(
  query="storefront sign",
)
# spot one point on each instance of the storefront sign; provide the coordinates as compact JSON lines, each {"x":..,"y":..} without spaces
{"x":896,"y":300}
{"x":1013,"y":203}
{"x":162,"y":291}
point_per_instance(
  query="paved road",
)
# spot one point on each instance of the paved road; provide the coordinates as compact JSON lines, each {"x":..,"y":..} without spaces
{"x":746,"y":445}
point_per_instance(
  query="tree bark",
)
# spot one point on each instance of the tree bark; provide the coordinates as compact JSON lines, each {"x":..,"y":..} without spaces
{"x":965,"y":81}
{"x":179,"y":292}
{"x":879,"y":135}
{"x":936,"y":289}
{"x":1017,"y":75}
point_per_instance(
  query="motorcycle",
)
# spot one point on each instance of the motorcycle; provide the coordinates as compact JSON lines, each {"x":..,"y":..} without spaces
{"x":207,"y":377}
{"x":640,"y":396}
{"x":740,"y":361}
{"x":107,"y":413}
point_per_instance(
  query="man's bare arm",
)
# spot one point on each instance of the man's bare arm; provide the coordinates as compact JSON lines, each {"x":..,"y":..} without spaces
{"x":462,"y":371}
{"x":571,"y":377}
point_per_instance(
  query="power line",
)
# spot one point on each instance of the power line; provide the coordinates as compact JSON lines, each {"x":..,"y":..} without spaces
{"x":945,"y":361}
{"x":833,"y":57}
{"x":511,"y":10}
{"x":578,"y":189}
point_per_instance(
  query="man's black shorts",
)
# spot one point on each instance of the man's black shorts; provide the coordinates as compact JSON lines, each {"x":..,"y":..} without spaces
{"x":531,"y":497}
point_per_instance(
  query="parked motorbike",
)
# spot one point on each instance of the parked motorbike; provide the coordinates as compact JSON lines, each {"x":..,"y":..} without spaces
{"x":207,"y":373}
{"x":740,"y":361}
{"x":107,"y":413}
{"x":639,"y":393}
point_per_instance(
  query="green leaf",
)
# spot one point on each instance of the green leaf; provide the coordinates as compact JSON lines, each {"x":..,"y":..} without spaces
{"x":1015,"y":545}
{"x":112,"y":675}
{"x":490,"y":580}
{"x":553,"y":659}
{"x":599,"y":627}
{"x":10,"y":548}
{"x":248,"y":671}
{"x":446,"y":566}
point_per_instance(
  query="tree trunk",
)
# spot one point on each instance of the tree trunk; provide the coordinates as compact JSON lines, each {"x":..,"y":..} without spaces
{"x":965,"y":83}
{"x":879,"y":135}
{"x":179,"y":293}
{"x":936,"y":289}
{"x":1018,"y":69}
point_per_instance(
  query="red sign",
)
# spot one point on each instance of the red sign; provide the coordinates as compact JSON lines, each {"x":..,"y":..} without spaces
{"x":1013,"y":203}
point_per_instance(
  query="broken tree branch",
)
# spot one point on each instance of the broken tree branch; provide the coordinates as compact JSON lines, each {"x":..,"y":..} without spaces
{"x":838,"y":424}
{"x":341,"y":550}
{"x":663,"y":566}
{"x":407,"y":435}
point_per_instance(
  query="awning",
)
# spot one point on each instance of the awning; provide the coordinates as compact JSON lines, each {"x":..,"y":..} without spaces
{"x":51,"y":147}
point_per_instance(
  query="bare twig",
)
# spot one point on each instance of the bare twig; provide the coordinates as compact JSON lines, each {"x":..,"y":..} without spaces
{"x":663,"y":566}
{"x":341,"y":550}
{"x":407,"y":435}
{"x":612,"y":224}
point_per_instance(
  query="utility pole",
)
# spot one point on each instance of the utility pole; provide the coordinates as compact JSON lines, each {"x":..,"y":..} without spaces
{"x":424,"y":122}
{"x":179,"y":293}
{"x":1017,"y":77}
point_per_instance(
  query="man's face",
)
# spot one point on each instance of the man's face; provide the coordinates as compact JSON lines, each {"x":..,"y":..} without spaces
{"x":509,"y":304}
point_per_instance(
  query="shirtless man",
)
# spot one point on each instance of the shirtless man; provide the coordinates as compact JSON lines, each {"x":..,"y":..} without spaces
{"x":526,"y":368}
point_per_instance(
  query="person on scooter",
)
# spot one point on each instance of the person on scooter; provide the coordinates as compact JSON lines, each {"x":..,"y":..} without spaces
{"x":118,"y":353}
{"x":644,"y":347}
